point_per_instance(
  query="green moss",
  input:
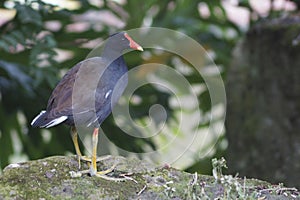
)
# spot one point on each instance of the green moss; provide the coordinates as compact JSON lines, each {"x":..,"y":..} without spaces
{"x":50,"y":179}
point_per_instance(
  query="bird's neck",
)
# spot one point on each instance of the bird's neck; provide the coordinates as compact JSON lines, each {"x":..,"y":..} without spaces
{"x":112,"y":54}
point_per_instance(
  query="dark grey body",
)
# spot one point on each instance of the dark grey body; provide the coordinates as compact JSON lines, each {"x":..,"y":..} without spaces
{"x":78,"y":98}
{"x":86,"y":94}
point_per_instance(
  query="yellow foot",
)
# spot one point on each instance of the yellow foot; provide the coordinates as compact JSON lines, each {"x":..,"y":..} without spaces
{"x":103,"y":174}
{"x":89,"y":159}
{"x":100,"y":174}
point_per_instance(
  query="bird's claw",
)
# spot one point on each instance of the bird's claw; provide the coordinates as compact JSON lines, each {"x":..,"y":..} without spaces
{"x":100,"y":174}
{"x":89,"y":159}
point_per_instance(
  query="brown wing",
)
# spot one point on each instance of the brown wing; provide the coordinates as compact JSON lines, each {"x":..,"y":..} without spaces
{"x":60,"y":101}
{"x":77,"y":86}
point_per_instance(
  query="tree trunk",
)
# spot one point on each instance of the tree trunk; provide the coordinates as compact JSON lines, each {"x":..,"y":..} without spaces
{"x":263,"y":93}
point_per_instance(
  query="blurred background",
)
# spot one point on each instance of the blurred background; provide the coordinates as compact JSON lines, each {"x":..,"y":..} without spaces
{"x":40,"y":40}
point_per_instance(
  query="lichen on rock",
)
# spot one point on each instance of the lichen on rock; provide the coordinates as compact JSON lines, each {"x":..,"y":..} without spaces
{"x":49,"y":178}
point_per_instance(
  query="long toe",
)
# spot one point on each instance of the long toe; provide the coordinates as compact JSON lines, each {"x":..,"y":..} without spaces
{"x":99,"y":159}
{"x":100,"y":174}
{"x":103,"y":174}
{"x":109,"y":178}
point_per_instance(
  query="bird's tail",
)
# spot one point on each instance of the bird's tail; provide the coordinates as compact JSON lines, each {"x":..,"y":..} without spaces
{"x":39,"y":120}
{"x":43,"y":121}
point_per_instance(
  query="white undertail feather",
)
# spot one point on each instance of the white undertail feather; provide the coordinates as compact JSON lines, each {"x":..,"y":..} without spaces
{"x":56,"y":121}
{"x":42,"y":112}
{"x":51,"y":123}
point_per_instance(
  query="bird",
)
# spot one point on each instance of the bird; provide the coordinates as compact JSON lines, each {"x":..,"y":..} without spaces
{"x":86,"y":94}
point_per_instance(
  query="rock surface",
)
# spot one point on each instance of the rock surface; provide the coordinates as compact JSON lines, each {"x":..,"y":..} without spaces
{"x":50,"y":178}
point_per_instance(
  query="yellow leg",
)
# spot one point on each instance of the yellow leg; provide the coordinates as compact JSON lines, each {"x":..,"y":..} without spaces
{"x":76,"y":145}
{"x":75,"y":141}
{"x":94,"y":153}
{"x":93,"y":167}
{"x":78,"y":152}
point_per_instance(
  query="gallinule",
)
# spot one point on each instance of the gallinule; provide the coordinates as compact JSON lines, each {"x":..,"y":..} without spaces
{"x":64,"y":107}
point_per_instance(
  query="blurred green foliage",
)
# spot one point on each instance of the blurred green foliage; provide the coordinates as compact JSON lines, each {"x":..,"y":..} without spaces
{"x":33,"y":39}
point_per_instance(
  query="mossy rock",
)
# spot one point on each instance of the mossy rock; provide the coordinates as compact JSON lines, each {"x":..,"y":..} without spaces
{"x":50,"y":178}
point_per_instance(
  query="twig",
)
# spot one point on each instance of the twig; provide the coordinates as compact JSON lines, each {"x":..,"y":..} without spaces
{"x":142,"y":190}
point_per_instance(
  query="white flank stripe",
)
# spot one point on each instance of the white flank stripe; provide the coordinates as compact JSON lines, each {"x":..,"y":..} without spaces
{"x":107,"y":94}
{"x":42,"y":112}
{"x":56,"y":121}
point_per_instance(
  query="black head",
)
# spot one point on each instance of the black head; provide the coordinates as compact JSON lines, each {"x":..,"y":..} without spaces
{"x":121,"y":41}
